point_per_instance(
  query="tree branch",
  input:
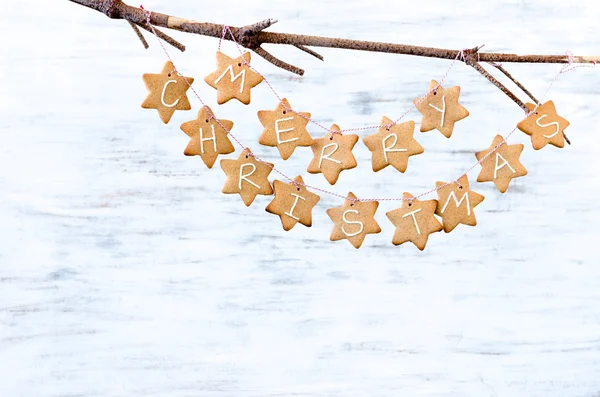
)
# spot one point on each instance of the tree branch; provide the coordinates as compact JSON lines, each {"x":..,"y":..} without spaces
{"x":116,"y":9}
{"x":309,"y":51}
{"x":163,"y":36}
{"x":278,"y":62}
{"x":139,"y":34}
{"x":518,"y":84}
{"x":253,"y":36}
{"x":470,"y":60}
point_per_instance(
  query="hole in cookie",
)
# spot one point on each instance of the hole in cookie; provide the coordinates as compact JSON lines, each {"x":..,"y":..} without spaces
{"x":460,"y":187}
{"x":169,"y":74}
{"x":434,"y":92}
{"x":351,"y":204}
{"x":246,"y":156}
{"x":410,"y":204}
{"x":331,"y":138}
{"x":206,"y":120}
{"x":239,"y":64}
{"x":298,"y":188}
{"x":284,"y":112}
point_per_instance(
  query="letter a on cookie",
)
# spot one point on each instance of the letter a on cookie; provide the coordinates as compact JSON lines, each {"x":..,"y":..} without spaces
{"x":500,"y":163}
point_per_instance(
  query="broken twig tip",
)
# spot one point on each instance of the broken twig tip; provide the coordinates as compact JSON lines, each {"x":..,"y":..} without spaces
{"x":139,"y":34}
{"x":309,"y":51}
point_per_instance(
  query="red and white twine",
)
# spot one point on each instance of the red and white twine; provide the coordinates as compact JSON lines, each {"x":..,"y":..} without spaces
{"x":460,"y":56}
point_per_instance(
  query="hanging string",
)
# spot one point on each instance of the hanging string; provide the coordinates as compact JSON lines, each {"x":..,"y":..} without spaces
{"x":460,"y":56}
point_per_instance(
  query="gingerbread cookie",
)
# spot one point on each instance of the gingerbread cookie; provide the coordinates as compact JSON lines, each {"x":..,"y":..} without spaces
{"x":293,"y":203}
{"x":284,"y":128}
{"x":247,"y":176}
{"x":354,"y":220}
{"x":440,"y":109}
{"x":167,"y":92}
{"x":392,"y":145}
{"x":333,"y":154}
{"x":414,"y":221}
{"x":456,"y":203}
{"x":502,"y":165}
{"x":233,"y":78}
{"x":544,"y":126}
{"x":208,"y":138}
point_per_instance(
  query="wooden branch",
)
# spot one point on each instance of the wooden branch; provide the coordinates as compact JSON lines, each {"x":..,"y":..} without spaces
{"x":163,"y":36}
{"x":480,"y":69}
{"x":278,"y":62}
{"x":254,"y":29}
{"x":472,"y":62}
{"x":116,"y":9}
{"x":309,"y":51}
{"x":139,"y":34}
{"x":518,"y":84}
{"x":253,"y":37}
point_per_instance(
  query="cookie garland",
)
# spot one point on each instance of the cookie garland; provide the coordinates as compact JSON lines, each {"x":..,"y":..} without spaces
{"x":248,"y":175}
{"x":167,"y":92}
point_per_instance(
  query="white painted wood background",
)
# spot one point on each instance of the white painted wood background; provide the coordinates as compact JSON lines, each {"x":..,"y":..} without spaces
{"x":125,"y":272}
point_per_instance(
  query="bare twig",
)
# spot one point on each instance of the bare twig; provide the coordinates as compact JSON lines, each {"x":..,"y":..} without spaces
{"x":254,"y":29}
{"x":518,"y":84}
{"x":309,"y":51}
{"x":163,"y":36}
{"x":139,"y":34}
{"x":278,"y":62}
{"x":472,"y":62}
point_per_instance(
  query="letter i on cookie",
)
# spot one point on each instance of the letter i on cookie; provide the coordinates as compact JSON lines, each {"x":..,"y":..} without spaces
{"x":293,"y":203}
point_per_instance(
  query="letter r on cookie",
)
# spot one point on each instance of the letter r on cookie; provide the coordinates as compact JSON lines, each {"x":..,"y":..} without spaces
{"x":243,"y":177}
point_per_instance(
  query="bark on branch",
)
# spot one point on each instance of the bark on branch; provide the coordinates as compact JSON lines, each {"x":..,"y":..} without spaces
{"x":254,"y":36}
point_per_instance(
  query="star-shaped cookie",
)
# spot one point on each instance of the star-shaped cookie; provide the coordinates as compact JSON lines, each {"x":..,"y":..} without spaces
{"x":502,"y":165}
{"x":332,"y":154}
{"x":414,"y":221}
{"x":208,"y":138}
{"x":293,"y":203}
{"x":247,"y":176}
{"x":456,"y":203}
{"x":354,"y":220}
{"x":544,"y":126}
{"x":284,"y":128}
{"x":393,"y":145}
{"x":233,"y":78}
{"x":167,"y":92}
{"x":440,"y":109}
